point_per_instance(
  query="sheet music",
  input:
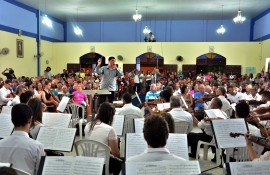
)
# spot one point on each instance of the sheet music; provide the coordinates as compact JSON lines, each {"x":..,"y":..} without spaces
{"x":60,"y":139}
{"x":176,"y":143}
{"x":56,"y":119}
{"x":135,"y":144}
{"x":69,"y":165}
{"x":214,"y":113}
{"x":138,"y":125}
{"x":183,"y":100}
{"x":6,"y":110}
{"x":118,"y":102}
{"x":6,"y":125}
{"x":163,"y":168}
{"x":233,"y":106}
{"x":162,"y":106}
{"x":118,"y":124}
{"x":63,"y":104}
{"x":250,"y":168}
{"x":222,"y":130}
{"x":5,"y":164}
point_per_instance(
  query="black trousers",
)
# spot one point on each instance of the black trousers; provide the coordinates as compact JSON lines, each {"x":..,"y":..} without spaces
{"x":102,"y":98}
{"x":194,"y":138}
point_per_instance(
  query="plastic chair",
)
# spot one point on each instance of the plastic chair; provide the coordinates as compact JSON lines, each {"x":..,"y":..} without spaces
{"x":21,"y":172}
{"x":91,"y":148}
{"x":205,"y":150}
{"x":181,"y":127}
{"x":74,"y":109}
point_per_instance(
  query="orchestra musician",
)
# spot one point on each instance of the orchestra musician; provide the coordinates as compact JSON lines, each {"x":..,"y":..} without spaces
{"x":4,"y":92}
{"x":48,"y":98}
{"x":207,"y":134}
{"x":233,"y":95}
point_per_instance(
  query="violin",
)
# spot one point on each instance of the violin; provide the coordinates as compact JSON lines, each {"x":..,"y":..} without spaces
{"x":258,"y":140}
{"x":261,"y":110}
{"x":208,"y":97}
{"x":11,"y":95}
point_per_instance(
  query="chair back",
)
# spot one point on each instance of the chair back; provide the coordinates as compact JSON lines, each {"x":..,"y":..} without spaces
{"x":129,"y":124}
{"x":74,"y":110}
{"x":91,"y":148}
{"x":181,"y":127}
{"x":240,"y":154}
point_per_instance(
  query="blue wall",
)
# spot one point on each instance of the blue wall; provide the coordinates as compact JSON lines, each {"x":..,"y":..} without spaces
{"x":165,"y":31}
{"x":15,"y":16}
{"x":261,"y":27}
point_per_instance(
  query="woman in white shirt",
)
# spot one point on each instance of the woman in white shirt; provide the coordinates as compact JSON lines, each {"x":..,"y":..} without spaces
{"x":100,"y":130}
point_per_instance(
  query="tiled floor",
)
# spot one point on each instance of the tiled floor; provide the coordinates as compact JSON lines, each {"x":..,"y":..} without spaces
{"x":204,"y":164}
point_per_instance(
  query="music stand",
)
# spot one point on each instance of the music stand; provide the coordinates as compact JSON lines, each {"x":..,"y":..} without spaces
{"x":223,"y":140}
{"x":96,"y":93}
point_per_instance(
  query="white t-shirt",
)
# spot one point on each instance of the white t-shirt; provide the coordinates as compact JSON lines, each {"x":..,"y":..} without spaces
{"x":101,"y":133}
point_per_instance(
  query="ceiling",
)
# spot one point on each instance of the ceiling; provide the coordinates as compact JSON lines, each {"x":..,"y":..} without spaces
{"x":122,"y":10}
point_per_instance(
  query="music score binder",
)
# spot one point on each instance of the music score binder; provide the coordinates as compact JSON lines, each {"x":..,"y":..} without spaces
{"x":57,"y":139}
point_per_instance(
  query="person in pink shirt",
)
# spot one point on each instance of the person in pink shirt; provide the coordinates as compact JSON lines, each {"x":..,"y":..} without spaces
{"x":79,"y":97}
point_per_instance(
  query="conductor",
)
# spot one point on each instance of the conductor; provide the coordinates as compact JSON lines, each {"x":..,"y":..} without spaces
{"x":108,"y":81}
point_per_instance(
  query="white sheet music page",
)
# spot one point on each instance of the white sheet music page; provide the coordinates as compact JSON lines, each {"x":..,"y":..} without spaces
{"x":6,"y":125}
{"x":250,"y":168}
{"x":64,"y":139}
{"x":163,"y":168}
{"x":118,"y":124}
{"x":135,"y":144}
{"x":214,"y":113}
{"x":138,"y":124}
{"x":88,"y":166}
{"x":5,"y":164}
{"x":56,"y":119}
{"x":60,"y":139}
{"x":60,"y":165}
{"x":69,"y":165}
{"x":222,"y":130}
{"x":6,"y":110}
{"x":177,"y":145}
{"x":162,"y":106}
{"x":63,"y":104}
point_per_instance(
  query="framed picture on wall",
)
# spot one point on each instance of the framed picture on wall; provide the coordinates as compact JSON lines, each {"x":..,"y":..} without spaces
{"x":19,"y":46}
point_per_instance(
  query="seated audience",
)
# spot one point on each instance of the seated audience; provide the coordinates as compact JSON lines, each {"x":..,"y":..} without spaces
{"x":23,"y":152}
{"x":156,"y":133}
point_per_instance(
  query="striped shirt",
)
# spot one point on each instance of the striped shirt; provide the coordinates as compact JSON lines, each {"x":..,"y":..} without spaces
{"x":109,"y":77}
{"x":152,"y":95}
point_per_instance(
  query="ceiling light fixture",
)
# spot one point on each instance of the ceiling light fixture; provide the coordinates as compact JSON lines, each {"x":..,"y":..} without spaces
{"x":239,"y":19}
{"x":146,"y":30}
{"x":47,"y":21}
{"x":77,"y":29}
{"x":221,"y":30}
{"x":137,"y":17}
